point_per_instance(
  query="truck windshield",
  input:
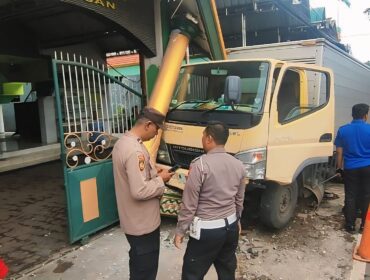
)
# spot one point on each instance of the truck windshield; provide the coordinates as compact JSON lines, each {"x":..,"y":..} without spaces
{"x":202,"y":87}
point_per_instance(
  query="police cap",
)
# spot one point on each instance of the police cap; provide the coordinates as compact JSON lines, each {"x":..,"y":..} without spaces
{"x":154,"y":116}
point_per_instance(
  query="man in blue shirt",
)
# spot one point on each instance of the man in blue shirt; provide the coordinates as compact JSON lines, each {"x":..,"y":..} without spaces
{"x":353,"y":162}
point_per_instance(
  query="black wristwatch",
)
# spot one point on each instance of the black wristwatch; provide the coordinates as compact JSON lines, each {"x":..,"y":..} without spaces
{"x":340,"y":171}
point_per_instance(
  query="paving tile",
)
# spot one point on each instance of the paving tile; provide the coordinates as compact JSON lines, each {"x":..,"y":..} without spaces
{"x":32,"y":215}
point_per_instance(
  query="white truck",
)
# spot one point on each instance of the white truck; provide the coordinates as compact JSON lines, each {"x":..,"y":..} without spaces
{"x":283,"y":103}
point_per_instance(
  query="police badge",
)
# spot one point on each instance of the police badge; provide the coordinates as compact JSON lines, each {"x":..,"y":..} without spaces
{"x":141,"y":159}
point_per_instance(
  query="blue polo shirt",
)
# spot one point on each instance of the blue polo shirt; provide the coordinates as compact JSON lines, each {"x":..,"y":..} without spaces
{"x":354,"y":138}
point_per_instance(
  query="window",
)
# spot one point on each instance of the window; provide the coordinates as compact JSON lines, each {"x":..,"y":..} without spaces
{"x":202,"y":87}
{"x":301,"y":92}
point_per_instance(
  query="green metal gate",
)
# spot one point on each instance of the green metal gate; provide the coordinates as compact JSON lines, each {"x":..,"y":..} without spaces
{"x":94,"y":109}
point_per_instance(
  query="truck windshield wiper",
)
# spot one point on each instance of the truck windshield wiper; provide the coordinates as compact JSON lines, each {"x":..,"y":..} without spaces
{"x":246,"y":105}
{"x":233,"y":107}
{"x":187,"y":102}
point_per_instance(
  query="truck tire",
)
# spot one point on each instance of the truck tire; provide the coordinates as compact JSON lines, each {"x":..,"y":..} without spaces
{"x":278,"y":204}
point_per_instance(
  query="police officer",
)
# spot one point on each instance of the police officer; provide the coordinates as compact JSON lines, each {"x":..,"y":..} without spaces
{"x":353,"y":154}
{"x":212,"y":205}
{"x":139,"y":185}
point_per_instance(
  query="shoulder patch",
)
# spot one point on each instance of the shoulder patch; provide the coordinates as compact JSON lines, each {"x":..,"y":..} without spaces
{"x":194,"y":160}
{"x":141,"y":159}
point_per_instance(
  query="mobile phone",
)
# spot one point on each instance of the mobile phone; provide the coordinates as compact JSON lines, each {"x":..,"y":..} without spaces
{"x":174,"y":168}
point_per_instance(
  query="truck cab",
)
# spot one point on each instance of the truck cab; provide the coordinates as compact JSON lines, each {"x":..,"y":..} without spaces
{"x":281,"y":121}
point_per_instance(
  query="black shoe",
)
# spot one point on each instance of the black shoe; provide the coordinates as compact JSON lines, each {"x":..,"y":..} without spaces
{"x":350,"y":229}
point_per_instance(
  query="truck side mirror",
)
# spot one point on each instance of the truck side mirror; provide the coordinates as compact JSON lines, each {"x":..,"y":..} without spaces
{"x":232,"y":91}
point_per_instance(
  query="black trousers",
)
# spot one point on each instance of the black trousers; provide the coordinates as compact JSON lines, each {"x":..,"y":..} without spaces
{"x":357,"y":193}
{"x":144,"y":255}
{"x":217,"y":247}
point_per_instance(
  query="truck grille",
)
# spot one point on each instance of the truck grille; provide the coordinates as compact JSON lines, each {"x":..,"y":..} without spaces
{"x":183,"y":155}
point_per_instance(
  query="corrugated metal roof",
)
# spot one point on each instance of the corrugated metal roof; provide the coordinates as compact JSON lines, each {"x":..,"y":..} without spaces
{"x":123,"y":60}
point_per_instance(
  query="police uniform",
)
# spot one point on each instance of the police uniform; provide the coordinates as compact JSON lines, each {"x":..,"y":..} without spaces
{"x":213,"y":196}
{"x":138,"y":189}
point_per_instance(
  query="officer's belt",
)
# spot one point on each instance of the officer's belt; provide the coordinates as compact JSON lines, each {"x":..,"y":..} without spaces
{"x":218,"y":223}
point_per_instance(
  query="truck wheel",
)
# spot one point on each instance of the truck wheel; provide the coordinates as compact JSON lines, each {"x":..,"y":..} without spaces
{"x":278,"y":204}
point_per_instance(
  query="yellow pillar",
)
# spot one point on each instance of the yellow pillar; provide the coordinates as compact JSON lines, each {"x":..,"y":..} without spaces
{"x":166,"y":81}
{"x":169,"y":72}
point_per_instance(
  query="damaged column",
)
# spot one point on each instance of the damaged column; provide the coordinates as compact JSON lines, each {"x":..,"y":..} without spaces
{"x":185,"y":29}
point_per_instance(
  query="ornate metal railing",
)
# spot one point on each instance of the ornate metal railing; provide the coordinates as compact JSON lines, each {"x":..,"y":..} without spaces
{"x":94,"y":108}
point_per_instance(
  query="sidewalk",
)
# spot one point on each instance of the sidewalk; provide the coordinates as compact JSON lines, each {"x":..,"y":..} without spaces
{"x":106,"y":257}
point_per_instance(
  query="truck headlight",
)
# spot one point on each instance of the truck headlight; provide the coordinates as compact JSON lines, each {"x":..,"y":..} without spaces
{"x":163,"y":156}
{"x":254,"y":162}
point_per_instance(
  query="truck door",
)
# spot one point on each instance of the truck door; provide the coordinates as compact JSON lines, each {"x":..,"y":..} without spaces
{"x":301,"y":121}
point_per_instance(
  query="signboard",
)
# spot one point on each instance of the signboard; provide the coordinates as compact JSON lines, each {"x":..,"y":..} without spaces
{"x":134,"y":16}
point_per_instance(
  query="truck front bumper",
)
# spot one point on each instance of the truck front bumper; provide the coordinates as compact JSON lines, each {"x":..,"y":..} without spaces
{"x":171,"y":199}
